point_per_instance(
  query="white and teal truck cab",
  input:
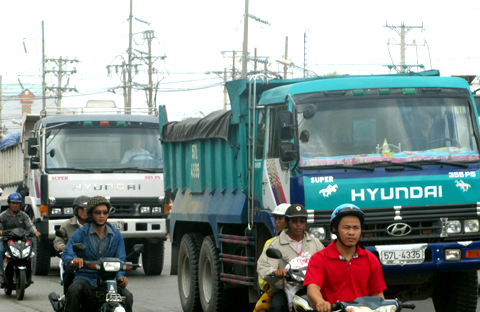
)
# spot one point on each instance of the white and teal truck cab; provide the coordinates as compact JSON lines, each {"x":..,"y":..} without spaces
{"x":404,"y":148}
{"x":73,"y":152}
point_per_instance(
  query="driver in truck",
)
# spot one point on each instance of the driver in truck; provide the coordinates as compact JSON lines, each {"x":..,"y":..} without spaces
{"x":136,"y":152}
{"x":343,"y":271}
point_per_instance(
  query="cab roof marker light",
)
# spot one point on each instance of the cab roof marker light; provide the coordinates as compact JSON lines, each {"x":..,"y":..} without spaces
{"x":88,"y":123}
{"x":383,"y":91}
{"x":358,"y":92}
{"x":121,"y":123}
{"x":104,"y":123}
{"x":409,"y":91}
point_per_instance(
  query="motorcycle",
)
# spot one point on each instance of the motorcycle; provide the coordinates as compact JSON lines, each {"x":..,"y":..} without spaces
{"x":17,"y":264}
{"x":298,"y":301}
{"x":107,"y":269}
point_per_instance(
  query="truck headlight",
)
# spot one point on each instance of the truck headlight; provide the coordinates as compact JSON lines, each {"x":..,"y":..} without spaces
{"x":471,"y":226}
{"x":144,"y":209}
{"x":68,"y":210}
{"x":452,"y":254}
{"x":454,"y":227}
{"x":156,"y":209}
{"x":318,"y":232}
{"x":56,"y":211}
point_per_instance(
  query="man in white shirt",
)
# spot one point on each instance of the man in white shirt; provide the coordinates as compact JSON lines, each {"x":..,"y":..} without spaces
{"x":136,"y":152}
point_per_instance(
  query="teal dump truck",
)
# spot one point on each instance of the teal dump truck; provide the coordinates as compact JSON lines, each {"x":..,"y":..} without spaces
{"x":403,"y":147}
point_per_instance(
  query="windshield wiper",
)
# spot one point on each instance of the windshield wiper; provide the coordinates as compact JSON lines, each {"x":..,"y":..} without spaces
{"x":402,"y":164}
{"x":454,"y":164}
{"x":136,"y":168}
{"x":366,"y":168}
{"x":74,"y":169}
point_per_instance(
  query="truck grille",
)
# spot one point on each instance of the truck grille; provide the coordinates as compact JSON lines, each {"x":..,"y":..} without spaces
{"x":415,"y":224}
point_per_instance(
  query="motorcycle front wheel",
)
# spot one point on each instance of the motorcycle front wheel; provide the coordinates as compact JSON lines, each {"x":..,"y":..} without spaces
{"x":20,"y":281}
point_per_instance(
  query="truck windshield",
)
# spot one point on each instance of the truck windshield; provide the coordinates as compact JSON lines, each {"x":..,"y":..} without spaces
{"x":103,"y":148}
{"x":353,"y":131}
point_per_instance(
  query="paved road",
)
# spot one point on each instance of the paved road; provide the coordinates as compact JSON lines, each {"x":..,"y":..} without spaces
{"x":151,"y":293}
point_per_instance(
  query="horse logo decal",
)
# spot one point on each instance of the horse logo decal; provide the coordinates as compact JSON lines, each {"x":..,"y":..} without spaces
{"x":464,"y":186}
{"x":328,"y":190}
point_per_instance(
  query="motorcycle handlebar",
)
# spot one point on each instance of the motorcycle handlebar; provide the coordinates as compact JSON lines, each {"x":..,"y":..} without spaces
{"x":407,"y":306}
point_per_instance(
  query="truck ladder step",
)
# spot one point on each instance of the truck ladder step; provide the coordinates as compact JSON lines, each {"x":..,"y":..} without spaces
{"x":237,"y":279}
{"x":235,"y":239}
{"x":237,"y":259}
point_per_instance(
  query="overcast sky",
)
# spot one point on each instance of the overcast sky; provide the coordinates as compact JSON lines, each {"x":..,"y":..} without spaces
{"x":344,"y":36}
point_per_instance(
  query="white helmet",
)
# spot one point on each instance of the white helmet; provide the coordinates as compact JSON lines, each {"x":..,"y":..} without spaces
{"x":279,"y":210}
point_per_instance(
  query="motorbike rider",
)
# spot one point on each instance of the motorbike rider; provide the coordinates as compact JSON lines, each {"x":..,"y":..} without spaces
{"x":13,"y":218}
{"x":344,"y":270}
{"x":101,"y":239}
{"x":265,"y":300}
{"x":71,"y":225}
{"x":294,"y":241}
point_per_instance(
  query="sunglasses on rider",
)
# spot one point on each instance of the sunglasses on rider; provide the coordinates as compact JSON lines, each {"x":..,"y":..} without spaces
{"x":99,"y":212}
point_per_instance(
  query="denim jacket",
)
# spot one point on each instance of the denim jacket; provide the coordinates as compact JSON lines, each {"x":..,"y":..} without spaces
{"x":116,"y":250}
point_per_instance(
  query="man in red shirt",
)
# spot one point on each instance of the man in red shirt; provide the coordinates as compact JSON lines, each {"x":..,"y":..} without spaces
{"x":343,"y":271}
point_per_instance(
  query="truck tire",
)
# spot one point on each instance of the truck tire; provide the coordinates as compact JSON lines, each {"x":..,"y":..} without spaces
{"x":152,"y":258}
{"x":187,"y":268}
{"x":457,"y":292}
{"x":42,"y":257}
{"x":212,"y":293}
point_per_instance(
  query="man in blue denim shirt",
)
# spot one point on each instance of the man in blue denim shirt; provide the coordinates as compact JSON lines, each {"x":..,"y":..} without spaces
{"x":101,"y":240}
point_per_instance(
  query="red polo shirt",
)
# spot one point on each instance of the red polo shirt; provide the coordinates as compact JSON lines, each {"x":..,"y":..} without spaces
{"x":340,"y":280}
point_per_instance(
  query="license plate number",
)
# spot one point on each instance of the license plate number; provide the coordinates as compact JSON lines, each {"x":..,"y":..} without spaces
{"x":402,"y":254}
{"x":118,"y":225}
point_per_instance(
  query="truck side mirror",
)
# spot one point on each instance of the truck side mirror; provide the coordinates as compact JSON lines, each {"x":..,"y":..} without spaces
{"x":34,"y":162}
{"x":32,"y":146}
{"x":285,"y":125}
{"x":288,"y":152}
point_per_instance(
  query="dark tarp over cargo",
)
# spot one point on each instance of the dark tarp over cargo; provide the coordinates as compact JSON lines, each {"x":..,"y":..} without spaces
{"x":214,"y":125}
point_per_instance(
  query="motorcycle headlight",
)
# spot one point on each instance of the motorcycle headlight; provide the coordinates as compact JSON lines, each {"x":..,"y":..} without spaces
{"x":15,"y":252}
{"x":111,"y":266}
{"x":26,"y":251}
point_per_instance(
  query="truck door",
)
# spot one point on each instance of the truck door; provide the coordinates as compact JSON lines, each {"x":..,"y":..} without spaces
{"x":275,"y":175}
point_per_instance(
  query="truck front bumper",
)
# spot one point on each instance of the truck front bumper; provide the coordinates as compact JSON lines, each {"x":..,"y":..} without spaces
{"x":132,"y":228}
{"x":435,"y":260}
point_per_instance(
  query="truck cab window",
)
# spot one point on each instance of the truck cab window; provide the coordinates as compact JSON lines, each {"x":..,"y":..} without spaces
{"x":274,"y":139}
{"x":260,"y":134}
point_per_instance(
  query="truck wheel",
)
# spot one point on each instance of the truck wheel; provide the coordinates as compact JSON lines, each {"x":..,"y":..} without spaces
{"x":457,"y":292}
{"x":152,"y":258}
{"x":187,"y":268}
{"x":42,"y":257}
{"x":211,"y":287}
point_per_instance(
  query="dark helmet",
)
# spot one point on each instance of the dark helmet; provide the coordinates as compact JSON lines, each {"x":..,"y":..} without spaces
{"x":294,"y":211}
{"x":95,"y":201}
{"x":80,"y":202}
{"x":343,"y":211}
{"x":14,"y":198}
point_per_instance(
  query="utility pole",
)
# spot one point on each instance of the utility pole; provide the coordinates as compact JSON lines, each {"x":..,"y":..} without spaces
{"x":286,"y":58}
{"x":44,"y":98}
{"x":402,"y":33}
{"x":149,"y":35}
{"x":245,"y":42}
{"x":59,"y":72}
{"x":128,"y":107}
{"x":1,"y":88}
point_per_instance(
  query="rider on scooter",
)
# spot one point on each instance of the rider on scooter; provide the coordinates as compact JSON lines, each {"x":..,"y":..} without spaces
{"x":344,"y":270}
{"x":70,"y":226}
{"x":101,"y":240}
{"x":292,"y":242}
{"x":13,"y":218}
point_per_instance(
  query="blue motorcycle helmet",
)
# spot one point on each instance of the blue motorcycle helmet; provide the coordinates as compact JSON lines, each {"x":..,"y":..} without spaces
{"x":14,"y":198}
{"x":343,"y":211}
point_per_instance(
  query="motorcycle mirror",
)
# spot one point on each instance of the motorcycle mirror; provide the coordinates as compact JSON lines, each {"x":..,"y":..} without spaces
{"x":274,"y":253}
{"x":37,"y":221}
{"x":138,"y":248}
{"x":79,"y":247}
{"x":61,"y":233}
